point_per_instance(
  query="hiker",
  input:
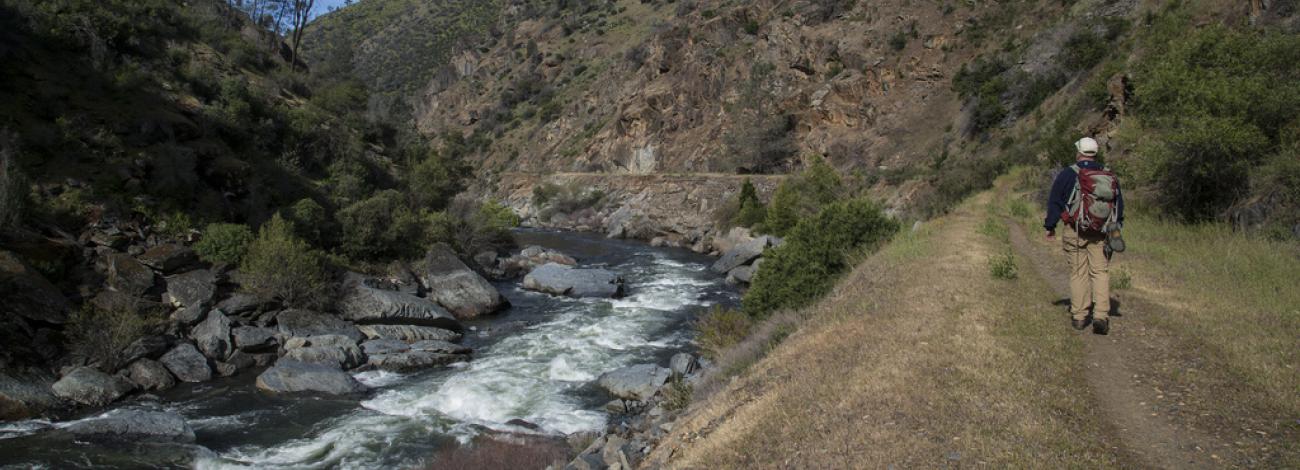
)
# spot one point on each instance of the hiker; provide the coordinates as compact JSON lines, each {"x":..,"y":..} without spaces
{"x":1086,"y":197}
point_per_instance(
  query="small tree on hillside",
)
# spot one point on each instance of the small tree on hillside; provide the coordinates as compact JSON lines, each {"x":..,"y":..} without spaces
{"x":281,"y":267}
{"x":751,"y":212}
{"x":802,"y":196}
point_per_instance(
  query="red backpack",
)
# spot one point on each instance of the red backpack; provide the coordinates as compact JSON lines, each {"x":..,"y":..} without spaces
{"x":1092,"y":204}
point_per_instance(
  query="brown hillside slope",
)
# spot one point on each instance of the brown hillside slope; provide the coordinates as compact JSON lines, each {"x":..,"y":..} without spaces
{"x":922,"y":359}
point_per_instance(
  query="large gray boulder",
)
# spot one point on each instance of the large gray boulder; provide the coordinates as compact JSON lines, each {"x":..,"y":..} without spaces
{"x":289,"y":376}
{"x":239,"y":303}
{"x":169,"y":257}
{"x":194,"y":288}
{"x":128,"y":276}
{"x":413,"y":360}
{"x":455,"y":286}
{"x":305,"y":323}
{"x":558,"y":279}
{"x":384,"y":346}
{"x":27,"y":294}
{"x":253,"y":338}
{"x":187,"y":363}
{"x":332,"y":350}
{"x":25,"y":396}
{"x":439,"y":346}
{"x":148,"y":374}
{"x":89,"y":386}
{"x":630,"y":223}
{"x":742,"y":254}
{"x":408,"y":333}
{"x":151,"y":346}
{"x":639,"y":382}
{"x":366,"y":304}
{"x":212,"y":335}
{"x":134,"y":426}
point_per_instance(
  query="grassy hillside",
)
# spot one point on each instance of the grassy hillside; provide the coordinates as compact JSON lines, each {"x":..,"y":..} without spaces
{"x":931,"y":353}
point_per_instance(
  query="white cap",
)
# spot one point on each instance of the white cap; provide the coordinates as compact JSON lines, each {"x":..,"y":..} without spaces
{"x":1087,"y":146}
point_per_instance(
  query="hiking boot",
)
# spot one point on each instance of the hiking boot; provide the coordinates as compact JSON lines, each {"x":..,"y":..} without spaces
{"x":1079,"y":324}
{"x":1101,"y":327}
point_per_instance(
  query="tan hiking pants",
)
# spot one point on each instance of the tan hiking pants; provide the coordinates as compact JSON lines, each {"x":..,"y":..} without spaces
{"x":1089,"y":274}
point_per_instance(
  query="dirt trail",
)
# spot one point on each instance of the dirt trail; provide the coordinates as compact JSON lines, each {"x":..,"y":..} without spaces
{"x":1151,"y":439}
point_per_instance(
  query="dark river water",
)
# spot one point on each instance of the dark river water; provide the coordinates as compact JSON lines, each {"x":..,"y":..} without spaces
{"x":537,"y":361}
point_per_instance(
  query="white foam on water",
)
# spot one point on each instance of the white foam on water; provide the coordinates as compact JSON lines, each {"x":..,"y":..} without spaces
{"x":537,"y":375}
{"x":24,"y":428}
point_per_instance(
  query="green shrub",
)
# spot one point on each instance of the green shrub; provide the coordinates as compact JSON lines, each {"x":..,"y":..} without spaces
{"x":677,"y":395}
{"x":720,"y":329}
{"x":566,"y":199}
{"x":1003,"y":265}
{"x":814,"y":254}
{"x":1213,"y":102}
{"x":382,"y":227}
{"x":281,"y":267}
{"x":1084,"y":49}
{"x":750,"y":210}
{"x":1120,"y":279}
{"x":309,"y":220}
{"x":1019,"y":208}
{"x":224,"y":243}
{"x":102,"y":334}
{"x":898,"y":40}
{"x":481,"y":226}
{"x":802,"y":196}
{"x":435,"y":181}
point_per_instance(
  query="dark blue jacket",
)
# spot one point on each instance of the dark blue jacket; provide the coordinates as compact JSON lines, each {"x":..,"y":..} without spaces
{"x":1063,"y":187}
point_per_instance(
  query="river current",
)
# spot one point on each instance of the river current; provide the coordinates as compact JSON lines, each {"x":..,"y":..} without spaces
{"x":537,"y":361}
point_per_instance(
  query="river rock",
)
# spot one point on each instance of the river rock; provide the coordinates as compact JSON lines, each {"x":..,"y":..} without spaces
{"x":683,"y":363}
{"x":366,"y":304}
{"x":253,"y":338}
{"x":89,"y":386}
{"x":134,"y":426}
{"x":639,"y":382}
{"x":439,"y":346}
{"x":189,"y":316}
{"x":743,"y":274}
{"x":455,"y":286}
{"x":27,"y":294}
{"x":558,"y":279}
{"x":384,"y":346}
{"x":305,"y":323}
{"x":239,"y":303}
{"x":151,"y":347}
{"x":213,"y":335}
{"x":289,"y":375}
{"x":128,"y":276}
{"x":187,"y":363}
{"x":148,"y":374}
{"x":169,"y":257}
{"x":413,"y":360}
{"x":192,"y":288}
{"x":742,"y":254}
{"x":408,"y":333}
{"x":343,"y":358}
{"x":25,"y":396}
{"x":630,"y":223}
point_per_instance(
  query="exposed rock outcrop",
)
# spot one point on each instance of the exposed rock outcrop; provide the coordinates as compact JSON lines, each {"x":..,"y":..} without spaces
{"x":169,"y":257}
{"x":187,"y":363}
{"x":24,"y":396}
{"x":148,"y":374}
{"x":366,"y":304}
{"x":289,"y":376}
{"x":134,"y":426}
{"x":213,"y":335}
{"x":306,"y":323}
{"x":638,"y":383}
{"x":408,"y":333}
{"x":88,"y":386}
{"x":194,"y":288}
{"x":456,"y":287}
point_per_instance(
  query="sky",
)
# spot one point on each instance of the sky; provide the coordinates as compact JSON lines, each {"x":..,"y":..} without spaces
{"x":323,"y":6}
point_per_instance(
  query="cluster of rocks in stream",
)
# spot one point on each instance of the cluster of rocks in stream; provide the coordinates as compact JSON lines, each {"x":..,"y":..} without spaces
{"x":741,"y":254}
{"x":642,"y":412}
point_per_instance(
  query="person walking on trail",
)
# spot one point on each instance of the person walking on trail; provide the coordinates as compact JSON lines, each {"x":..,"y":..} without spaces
{"x":1085,"y":196}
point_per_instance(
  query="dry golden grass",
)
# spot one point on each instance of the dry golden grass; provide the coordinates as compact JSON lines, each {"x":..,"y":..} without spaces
{"x":918,"y":359}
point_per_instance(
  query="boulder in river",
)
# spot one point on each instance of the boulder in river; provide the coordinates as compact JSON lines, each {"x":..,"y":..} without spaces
{"x":289,"y":376}
{"x":743,"y":274}
{"x":440,"y":346}
{"x":455,"y":286}
{"x":89,"y":386}
{"x":239,"y":303}
{"x":149,"y":374}
{"x":365,"y":304}
{"x":683,"y":363}
{"x":558,"y":279}
{"x":334,"y":350}
{"x":187,"y":363}
{"x":639,"y":382}
{"x":27,"y":294}
{"x":150,"y":346}
{"x":253,"y":338}
{"x":134,"y":426}
{"x":384,"y":346}
{"x":25,"y":396}
{"x":742,"y":254}
{"x":213,"y":335}
{"x":192,"y":288}
{"x":408,"y":333}
{"x":413,"y":360}
{"x":306,"y":323}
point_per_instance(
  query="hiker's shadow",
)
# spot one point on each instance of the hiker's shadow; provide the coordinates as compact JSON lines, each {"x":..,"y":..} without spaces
{"x":1114,"y":305}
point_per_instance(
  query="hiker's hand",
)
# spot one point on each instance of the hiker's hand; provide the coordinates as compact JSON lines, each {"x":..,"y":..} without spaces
{"x":1051,"y":235}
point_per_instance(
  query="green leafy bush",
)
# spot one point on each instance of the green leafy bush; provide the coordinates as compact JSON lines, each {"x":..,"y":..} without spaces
{"x":814,"y":254}
{"x":281,"y":267}
{"x":309,"y":220}
{"x":482,"y":226}
{"x":382,"y":227}
{"x":1214,"y":103}
{"x":801,"y":196}
{"x":224,"y":243}
{"x":750,"y":211}
{"x":435,"y":181}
